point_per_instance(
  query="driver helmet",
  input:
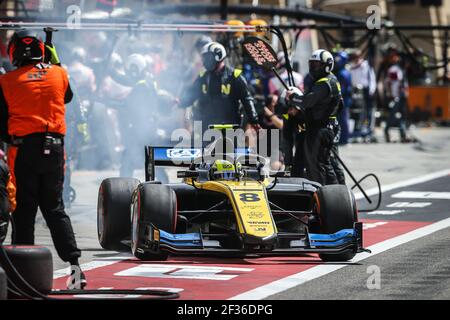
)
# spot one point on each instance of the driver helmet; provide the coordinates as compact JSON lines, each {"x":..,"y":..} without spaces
{"x":224,"y":170}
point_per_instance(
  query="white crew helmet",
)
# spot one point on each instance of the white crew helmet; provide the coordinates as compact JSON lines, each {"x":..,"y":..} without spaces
{"x":325,"y":57}
{"x":136,"y":65}
{"x":213,"y":54}
{"x":216,"y":49}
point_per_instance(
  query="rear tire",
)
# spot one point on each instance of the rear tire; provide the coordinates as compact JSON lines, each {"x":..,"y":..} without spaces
{"x":335,"y":206}
{"x":152,"y":204}
{"x":35,"y":266}
{"x":113,"y":212}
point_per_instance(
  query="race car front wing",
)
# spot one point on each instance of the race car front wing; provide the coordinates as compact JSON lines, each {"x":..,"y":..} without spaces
{"x":195,"y":243}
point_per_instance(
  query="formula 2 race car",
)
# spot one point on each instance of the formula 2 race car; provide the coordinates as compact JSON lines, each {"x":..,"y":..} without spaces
{"x":226,"y":205}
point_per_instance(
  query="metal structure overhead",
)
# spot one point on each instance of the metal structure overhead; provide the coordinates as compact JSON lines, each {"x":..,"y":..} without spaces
{"x":105,"y":26}
{"x":296,"y":13}
{"x":223,"y":10}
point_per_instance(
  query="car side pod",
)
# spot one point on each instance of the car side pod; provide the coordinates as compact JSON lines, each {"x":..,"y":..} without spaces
{"x":339,"y":239}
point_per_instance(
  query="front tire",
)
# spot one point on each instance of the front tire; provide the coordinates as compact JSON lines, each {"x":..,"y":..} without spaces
{"x":336,"y":209}
{"x":113,"y":212}
{"x":152,"y":204}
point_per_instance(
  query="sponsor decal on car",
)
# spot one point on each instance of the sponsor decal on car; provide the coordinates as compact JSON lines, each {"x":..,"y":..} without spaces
{"x":183,"y":153}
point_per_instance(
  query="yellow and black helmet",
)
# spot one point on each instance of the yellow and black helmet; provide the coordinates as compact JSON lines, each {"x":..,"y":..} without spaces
{"x":224,"y":170}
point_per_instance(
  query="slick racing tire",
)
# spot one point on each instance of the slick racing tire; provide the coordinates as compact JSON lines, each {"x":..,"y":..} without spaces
{"x":153,"y":204}
{"x":335,"y":207}
{"x":3,"y":285}
{"x":113,"y":212}
{"x":34,"y":264}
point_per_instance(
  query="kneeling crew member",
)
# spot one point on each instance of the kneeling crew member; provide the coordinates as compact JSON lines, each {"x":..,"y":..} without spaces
{"x":32,"y":109}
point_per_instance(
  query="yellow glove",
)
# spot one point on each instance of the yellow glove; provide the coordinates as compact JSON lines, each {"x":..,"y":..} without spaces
{"x":54,"y":59}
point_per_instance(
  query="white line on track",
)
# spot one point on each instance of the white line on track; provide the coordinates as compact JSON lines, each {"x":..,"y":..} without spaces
{"x":324,"y":269}
{"x":385,"y":212}
{"x":422,"y":195}
{"x":409,"y":205}
{"x":319,"y":271}
{"x":90,"y":265}
{"x":406,"y":183}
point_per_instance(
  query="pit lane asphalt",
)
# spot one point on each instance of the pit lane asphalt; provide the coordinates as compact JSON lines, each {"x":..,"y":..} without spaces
{"x":391,"y":162}
{"x":419,"y":269}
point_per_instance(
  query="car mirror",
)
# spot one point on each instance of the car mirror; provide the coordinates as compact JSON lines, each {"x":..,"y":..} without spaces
{"x":279,"y":174}
{"x":187,"y":174}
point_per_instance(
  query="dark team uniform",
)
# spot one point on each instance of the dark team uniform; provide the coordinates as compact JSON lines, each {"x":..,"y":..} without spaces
{"x":219,"y":95}
{"x":319,"y":107}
